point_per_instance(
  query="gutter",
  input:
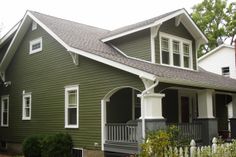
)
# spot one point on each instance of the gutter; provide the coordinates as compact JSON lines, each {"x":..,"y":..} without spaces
{"x":142,"y":103}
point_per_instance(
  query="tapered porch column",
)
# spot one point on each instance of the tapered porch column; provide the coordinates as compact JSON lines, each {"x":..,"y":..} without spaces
{"x":205,"y":115}
{"x":233,"y":119}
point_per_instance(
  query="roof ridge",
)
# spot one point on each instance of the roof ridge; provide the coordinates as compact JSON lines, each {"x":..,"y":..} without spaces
{"x":59,"y":18}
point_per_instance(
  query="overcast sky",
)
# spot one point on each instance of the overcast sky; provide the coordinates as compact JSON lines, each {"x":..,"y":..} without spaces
{"x":107,"y":14}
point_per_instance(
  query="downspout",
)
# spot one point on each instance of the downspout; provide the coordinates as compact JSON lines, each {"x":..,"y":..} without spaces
{"x":143,"y":108}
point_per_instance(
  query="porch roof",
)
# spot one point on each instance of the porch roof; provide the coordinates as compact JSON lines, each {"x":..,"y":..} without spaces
{"x":86,"y":39}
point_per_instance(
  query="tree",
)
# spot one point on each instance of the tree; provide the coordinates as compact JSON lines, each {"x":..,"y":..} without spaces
{"x":217,"y":20}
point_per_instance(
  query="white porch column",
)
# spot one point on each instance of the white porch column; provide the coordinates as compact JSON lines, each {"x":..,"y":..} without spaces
{"x":205,"y":104}
{"x":233,"y":119}
{"x":152,"y":105}
{"x":234,"y":106}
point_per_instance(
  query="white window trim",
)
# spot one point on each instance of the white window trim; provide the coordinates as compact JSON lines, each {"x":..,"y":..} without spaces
{"x":35,"y":41}
{"x":182,"y":41}
{"x":67,"y":89}
{"x":34,"y":25}
{"x":23,"y":106}
{"x":3,"y":98}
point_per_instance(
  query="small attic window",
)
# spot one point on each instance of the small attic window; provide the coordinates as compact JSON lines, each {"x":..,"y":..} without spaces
{"x":36,"y":45}
{"x":225,"y":71}
{"x":34,"y":26}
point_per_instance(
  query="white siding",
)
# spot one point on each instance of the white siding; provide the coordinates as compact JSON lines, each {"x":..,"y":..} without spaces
{"x":224,"y":57}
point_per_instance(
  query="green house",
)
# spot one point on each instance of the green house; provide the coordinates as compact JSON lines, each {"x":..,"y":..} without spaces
{"x":108,"y":89}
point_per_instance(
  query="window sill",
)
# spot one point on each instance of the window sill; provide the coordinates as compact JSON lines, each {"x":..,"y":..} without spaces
{"x":71,"y":126}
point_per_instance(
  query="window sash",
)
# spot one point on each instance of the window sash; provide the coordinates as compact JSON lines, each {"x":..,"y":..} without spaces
{"x":27,"y":103}
{"x":71,"y":106}
{"x":36,"y":45}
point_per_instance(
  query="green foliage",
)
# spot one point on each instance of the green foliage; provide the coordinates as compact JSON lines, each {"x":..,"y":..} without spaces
{"x":57,"y":145}
{"x":32,"y":146}
{"x":48,"y":145}
{"x":217,"y":20}
{"x":158,"y":141}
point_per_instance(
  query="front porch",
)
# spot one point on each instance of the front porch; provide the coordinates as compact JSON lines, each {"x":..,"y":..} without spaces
{"x":180,"y":107}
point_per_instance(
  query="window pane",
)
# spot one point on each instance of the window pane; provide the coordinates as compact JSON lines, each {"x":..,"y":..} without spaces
{"x":72,"y":97}
{"x":165,"y":44}
{"x":176,"y":59}
{"x":5,"y":118}
{"x":27,"y":101}
{"x":5,"y":105}
{"x":186,"y":49}
{"x":225,"y":71}
{"x":165,"y":57}
{"x":36,"y":46}
{"x":175,"y":46}
{"x":27,"y":112}
{"x":72,"y":117}
{"x":186,"y":62}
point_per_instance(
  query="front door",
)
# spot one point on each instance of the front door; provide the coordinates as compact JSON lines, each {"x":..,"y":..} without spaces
{"x":185,"y":109}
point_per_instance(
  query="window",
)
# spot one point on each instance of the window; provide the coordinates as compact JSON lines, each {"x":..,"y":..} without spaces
{"x":175,"y":51}
{"x":225,"y":71}
{"x":36,"y":45}
{"x":4,"y":111}
{"x":26,"y":114}
{"x":34,"y":26}
{"x":77,"y":152}
{"x":165,"y":51}
{"x":71,"y":106}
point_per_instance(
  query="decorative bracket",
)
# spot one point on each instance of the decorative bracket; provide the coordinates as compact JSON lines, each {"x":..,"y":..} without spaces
{"x":178,"y":20}
{"x":75,"y":58}
{"x":148,"y":83}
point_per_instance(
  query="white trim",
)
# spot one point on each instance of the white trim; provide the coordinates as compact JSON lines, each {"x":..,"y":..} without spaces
{"x":67,"y":89}
{"x":214,"y":51}
{"x":153,"y":32}
{"x":9,"y":33}
{"x":33,"y":42}
{"x":5,"y":97}
{"x":177,"y":13}
{"x":26,"y":95}
{"x":34,"y":26}
{"x":182,"y":41}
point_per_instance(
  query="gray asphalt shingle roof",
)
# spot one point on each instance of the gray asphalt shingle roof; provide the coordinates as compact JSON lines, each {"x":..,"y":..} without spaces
{"x":87,"y":38}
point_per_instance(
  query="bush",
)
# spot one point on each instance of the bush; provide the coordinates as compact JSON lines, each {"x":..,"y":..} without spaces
{"x":57,"y":145}
{"x":32,"y":146}
{"x":48,"y":146}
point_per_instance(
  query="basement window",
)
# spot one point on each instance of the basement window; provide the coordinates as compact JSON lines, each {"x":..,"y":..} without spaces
{"x":36,"y":45}
{"x":225,"y":71}
{"x":77,"y":152}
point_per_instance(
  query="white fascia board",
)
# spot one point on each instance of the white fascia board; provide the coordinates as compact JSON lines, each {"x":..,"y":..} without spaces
{"x":193,"y":84}
{"x":9,"y":33}
{"x":48,"y":30}
{"x":114,"y":64}
{"x":182,"y":11}
{"x":214,"y":51}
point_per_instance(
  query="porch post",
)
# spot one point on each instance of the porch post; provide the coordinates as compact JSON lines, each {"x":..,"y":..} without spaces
{"x":233,"y":119}
{"x":205,"y":116}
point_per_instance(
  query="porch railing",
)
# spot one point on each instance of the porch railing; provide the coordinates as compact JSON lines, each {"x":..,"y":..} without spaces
{"x":119,"y":132}
{"x":190,"y":130}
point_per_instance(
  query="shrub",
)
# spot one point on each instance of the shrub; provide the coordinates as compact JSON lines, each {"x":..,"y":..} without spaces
{"x":57,"y":145}
{"x":32,"y":146}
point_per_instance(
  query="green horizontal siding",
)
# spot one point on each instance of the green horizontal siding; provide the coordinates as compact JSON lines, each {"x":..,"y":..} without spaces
{"x":45,"y":74}
{"x":136,"y":45}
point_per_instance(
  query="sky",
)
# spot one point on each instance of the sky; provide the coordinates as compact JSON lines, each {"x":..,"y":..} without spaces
{"x":107,"y":14}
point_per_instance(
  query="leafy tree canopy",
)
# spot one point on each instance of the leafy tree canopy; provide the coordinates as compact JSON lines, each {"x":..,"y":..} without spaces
{"x":217,"y":20}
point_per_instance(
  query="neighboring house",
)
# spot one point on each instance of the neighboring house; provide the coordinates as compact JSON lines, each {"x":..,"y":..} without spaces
{"x":62,"y":76}
{"x":222,"y":61}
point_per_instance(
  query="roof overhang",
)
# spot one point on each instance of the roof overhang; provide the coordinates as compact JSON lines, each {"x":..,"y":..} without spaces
{"x":9,"y":34}
{"x":185,"y":19}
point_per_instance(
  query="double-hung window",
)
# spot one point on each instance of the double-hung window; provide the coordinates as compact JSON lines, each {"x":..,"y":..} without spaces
{"x":4,"y":111}
{"x":72,"y":106}
{"x":175,"y":51}
{"x":27,"y":100}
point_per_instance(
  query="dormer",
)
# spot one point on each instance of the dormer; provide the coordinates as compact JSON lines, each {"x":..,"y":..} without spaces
{"x":171,"y":40}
